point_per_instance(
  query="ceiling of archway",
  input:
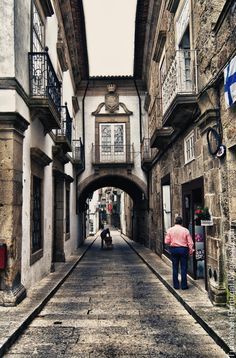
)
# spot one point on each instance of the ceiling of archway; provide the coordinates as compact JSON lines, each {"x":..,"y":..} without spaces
{"x":131,"y":187}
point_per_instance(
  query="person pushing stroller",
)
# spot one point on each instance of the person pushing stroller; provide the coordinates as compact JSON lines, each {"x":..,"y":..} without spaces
{"x":106,"y":236}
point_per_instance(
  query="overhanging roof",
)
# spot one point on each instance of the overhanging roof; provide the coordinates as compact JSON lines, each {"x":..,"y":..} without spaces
{"x":140,"y":33}
{"x":73,"y":19}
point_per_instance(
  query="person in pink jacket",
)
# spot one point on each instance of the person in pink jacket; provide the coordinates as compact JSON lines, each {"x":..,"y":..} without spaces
{"x":181,"y":245}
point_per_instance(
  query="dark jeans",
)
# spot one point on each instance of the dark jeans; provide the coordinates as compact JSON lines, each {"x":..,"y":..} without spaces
{"x":179,"y":255}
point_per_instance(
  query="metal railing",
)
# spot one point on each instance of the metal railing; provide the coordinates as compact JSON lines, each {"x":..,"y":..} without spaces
{"x":115,"y":154}
{"x":43,"y":79}
{"x":66,"y":124}
{"x":77,"y":150}
{"x":146,"y":153}
{"x":181,"y":77}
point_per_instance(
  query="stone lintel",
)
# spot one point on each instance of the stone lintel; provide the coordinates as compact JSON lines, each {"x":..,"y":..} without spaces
{"x":205,"y":120}
{"x":59,"y":154}
{"x":63,"y":176}
{"x":11,"y":83}
{"x":40,"y":157}
{"x":161,"y":137}
{"x":13,"y":120}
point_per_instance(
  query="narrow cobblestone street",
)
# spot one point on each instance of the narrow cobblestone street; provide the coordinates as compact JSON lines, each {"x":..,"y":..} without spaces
{"x":113,"y":306}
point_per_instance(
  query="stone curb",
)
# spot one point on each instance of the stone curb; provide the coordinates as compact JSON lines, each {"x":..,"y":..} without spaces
{"x":25,"y":323}
{"x":188,"y":308}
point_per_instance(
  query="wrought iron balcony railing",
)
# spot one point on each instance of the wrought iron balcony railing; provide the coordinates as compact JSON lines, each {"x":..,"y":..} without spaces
{"x":77,"y":151}
{"x":146,"y":153}
{"x":181,"y":77}
{"x":66,"y":124}
{"x":112,"y":154}
{"x":44,"y":83}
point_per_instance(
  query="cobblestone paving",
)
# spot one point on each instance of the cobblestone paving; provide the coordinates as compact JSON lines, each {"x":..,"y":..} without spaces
{"x":113,"y":306}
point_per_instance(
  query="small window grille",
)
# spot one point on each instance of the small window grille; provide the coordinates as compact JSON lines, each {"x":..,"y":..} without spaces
{"x":67,"y":211}
{"x":37,"y":215}
{"x":189,"y":148}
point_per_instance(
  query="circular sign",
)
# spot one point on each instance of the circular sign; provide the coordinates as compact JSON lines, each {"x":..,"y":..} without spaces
{"x":213,"y":141}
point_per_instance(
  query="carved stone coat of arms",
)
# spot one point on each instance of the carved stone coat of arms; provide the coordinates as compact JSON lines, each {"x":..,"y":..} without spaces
{"x":111,"y":99}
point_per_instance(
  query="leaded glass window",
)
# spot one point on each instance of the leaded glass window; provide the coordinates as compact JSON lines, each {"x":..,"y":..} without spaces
{"x":119,"y":138}
{"x":106,"y":137}
{"x":37,"y":215}
{"x":38,"y":31}
{"x":112,"y":142}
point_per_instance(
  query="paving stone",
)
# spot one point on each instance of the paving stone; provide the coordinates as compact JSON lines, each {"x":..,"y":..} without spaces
{"x":113,"y":306}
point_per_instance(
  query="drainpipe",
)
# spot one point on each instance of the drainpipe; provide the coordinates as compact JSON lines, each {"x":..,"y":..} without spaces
{"x":141,"y":138}
{"x":140,"y":112}
{"x":83,"y":120}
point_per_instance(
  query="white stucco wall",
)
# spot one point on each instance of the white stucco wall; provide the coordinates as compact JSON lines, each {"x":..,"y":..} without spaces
{"x":90,"y":104}
{"x":15,"y":37}
{"x":7,"y":54}
{"x":94,"y":213}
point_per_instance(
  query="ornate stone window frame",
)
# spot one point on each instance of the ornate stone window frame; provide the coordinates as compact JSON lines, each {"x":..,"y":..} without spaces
{"x":112,"y":119}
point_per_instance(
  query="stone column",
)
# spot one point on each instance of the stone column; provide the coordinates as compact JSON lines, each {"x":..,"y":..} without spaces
{"x":12,"y":126}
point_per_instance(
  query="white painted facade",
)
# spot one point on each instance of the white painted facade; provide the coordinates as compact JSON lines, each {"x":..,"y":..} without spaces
{"x":91,"y":103}
{"x":93,"y":214}
{"x":15,"y":44}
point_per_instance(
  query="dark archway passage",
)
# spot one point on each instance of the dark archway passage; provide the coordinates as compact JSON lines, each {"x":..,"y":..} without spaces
{"x":130,"y":184}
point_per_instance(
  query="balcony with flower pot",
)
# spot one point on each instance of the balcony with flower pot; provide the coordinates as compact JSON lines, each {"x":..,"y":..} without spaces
{"x":203,"y":217}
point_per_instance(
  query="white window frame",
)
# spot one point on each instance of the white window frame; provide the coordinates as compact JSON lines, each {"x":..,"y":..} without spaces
{"x":162,"y":66}
{"x":38,"y":30}
{"x":112,"y":155}
{"x":189,"y":150}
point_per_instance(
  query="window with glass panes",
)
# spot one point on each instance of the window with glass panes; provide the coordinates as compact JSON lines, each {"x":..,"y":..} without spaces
{"x":37,"y":214}
{"x":189,"y":148}
{"x":38,"y":31}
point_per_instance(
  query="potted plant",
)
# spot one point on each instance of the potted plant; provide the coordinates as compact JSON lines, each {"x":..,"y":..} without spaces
{"x":203,"y":217}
